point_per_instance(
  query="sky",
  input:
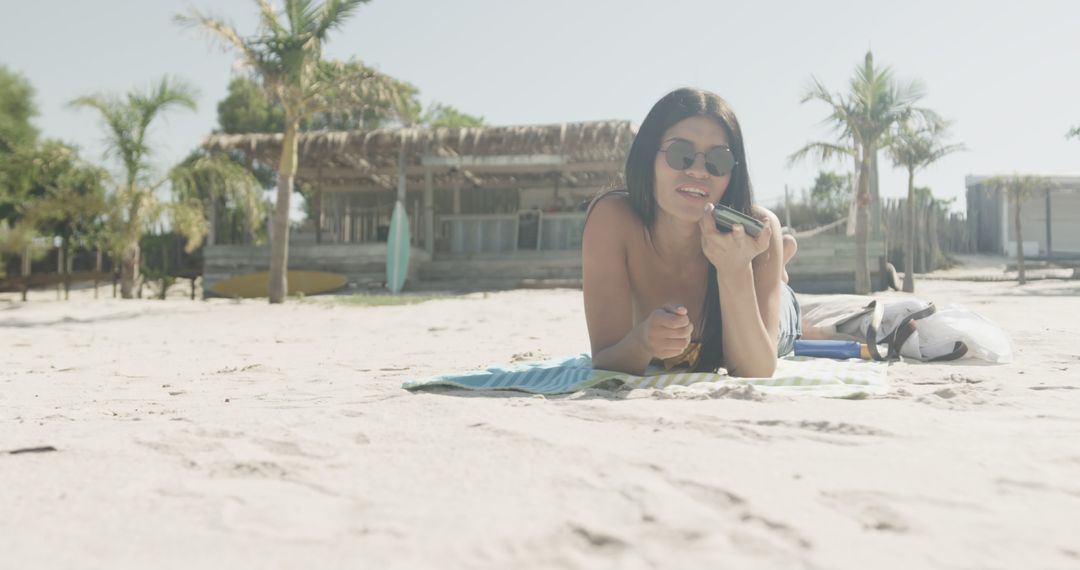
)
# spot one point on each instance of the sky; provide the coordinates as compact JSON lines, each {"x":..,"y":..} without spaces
{"x":1006,"y":74}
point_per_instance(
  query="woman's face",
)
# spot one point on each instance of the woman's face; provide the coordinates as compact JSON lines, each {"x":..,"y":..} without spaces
{"x":684,"y":193}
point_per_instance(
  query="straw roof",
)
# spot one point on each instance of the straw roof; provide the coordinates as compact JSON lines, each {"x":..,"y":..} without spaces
{"x":586,"y":154}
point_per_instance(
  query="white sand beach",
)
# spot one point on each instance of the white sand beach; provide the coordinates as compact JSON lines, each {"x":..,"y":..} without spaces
{"x":222,"y":434}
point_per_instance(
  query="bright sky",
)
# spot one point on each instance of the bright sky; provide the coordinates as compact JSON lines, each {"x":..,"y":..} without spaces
{"x":1008,"y":74}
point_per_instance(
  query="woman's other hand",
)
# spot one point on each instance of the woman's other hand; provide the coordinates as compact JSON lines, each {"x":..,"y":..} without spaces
{"x":667,"y":331}
{"x":732,"y":249}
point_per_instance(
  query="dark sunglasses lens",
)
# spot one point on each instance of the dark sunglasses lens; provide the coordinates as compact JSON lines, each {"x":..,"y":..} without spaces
{"x":680,"y":155}
{"x":719,"y":161}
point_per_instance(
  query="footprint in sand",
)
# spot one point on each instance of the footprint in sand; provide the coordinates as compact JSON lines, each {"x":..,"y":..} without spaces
{"x":868,"y":509}
{"x":752,"y":525}
{"x":824,"y":427}
{"x":960,"y":396}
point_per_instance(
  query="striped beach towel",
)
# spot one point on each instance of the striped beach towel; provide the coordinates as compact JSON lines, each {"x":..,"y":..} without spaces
{"x":826,"y":377}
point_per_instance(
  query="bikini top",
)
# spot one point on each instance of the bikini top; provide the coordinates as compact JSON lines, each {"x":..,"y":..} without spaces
{"x":688,"y":357}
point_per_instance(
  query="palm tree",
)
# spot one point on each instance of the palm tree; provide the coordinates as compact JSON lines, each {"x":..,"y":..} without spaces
{"x":286,"y":56}
{"x":862,"y":120}
{"x":1019,"y":188}
{"x":128,"y":120}
{"x":202,"y":183}
{"x":914,"y":147}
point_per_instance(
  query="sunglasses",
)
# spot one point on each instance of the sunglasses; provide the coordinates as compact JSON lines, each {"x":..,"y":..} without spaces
{"x":681,"y":156}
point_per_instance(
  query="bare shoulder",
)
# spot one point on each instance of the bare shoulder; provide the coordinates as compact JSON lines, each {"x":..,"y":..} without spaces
{"x":611,"y":215}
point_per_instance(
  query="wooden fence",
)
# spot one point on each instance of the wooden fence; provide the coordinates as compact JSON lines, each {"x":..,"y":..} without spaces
{"x":938,"y":233}
{"x":163,"y":261}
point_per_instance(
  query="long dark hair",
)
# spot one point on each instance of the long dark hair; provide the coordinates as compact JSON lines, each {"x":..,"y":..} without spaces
{"x":641,"y":184}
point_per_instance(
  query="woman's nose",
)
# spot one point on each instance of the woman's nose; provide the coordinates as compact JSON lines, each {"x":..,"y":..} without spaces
{"x":697,"y":168}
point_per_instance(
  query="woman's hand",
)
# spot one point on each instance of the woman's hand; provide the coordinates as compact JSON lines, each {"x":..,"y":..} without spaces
{"x":666,"y":332}
{"x":732,"y":249}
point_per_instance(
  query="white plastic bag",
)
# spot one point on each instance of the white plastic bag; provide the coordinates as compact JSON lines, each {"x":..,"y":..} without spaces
{"x":939,"y":332}
{"x":935,"y":336}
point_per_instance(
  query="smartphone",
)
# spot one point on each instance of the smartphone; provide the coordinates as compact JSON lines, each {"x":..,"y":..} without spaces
{"x":726,"y":217}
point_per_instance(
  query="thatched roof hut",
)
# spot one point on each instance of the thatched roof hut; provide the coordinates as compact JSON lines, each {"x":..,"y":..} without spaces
{"x":574,"y":155}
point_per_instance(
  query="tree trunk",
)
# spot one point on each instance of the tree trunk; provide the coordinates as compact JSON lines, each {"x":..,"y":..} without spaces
{"x":875,"y":196}
{"x":909,"y":236}
{"x":129,"y":271}
{"x":1019,"y":241}
{"x":279,"y":240}
{"x":862,"y":214}
{"x":935,"y":240}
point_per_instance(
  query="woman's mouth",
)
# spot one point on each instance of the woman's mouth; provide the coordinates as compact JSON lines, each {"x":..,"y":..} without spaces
{"x":693,"y":193}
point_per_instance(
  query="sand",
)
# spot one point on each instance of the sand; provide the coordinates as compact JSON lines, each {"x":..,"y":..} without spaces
{"x":221,"y":434}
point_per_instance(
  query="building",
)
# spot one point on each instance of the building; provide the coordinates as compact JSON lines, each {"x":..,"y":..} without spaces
{"x":1049,"y":218}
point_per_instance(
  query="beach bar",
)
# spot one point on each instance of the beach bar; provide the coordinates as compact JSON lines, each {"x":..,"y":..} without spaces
{"x":490,"y":207}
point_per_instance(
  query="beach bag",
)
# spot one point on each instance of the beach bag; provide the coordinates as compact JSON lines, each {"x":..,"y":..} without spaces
{"x":908,"y":328}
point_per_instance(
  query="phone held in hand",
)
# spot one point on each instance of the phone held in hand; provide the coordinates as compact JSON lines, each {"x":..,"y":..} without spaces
{"x":726,"y":217}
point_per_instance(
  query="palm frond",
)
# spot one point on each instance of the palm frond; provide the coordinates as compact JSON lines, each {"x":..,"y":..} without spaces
{"x":302,"y":16}
{"x":122,"y":124}
{"x":201,"y":179}
{"x":270,"y":21}
{"x":334,"y":13}
{"x":220,"y":32}
{"x":824,"y":151}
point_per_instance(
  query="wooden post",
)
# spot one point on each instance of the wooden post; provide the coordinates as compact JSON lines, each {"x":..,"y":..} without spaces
{"x":25,"y":270}
{"x":1049,"y":249}
{"x":318,"y":215}
{"x":416,"y":216}
{"x":429,"y":212}
{"x":211,"y":234}
{"x":787,"y":206}
{"x":97,"y":269}
{"x":59,"y":269}
{"x":69,"y":265}
{"x":346,"y":221}
{"x":457,"y":195}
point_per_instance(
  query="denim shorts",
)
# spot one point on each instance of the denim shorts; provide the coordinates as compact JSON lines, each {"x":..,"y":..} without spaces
{"x":790,"y":321}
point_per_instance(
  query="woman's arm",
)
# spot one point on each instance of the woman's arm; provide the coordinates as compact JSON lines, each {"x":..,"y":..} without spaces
{"x":749,"y":288}
{"x":616,"y":344}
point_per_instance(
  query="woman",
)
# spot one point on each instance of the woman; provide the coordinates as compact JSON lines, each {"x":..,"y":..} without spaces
{"x":662,"y":284}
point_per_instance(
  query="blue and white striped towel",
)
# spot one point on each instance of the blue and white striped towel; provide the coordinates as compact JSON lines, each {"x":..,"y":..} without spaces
{"x":835,"y":378}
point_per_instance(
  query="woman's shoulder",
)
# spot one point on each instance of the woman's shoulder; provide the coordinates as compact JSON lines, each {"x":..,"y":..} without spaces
{"x":611,"y":207}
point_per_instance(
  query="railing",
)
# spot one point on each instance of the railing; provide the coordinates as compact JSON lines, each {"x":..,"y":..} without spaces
{"x":500,"y":233}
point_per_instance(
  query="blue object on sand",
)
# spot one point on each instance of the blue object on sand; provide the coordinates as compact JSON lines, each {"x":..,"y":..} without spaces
{"x":828,"y":348}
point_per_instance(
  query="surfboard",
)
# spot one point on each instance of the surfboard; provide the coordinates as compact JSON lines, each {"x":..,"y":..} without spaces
{"x":253,"y":285}
{"x":397,"y":249}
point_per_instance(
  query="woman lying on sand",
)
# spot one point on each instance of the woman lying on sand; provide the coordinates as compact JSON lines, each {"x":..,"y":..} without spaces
{"x":662,"y":284}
